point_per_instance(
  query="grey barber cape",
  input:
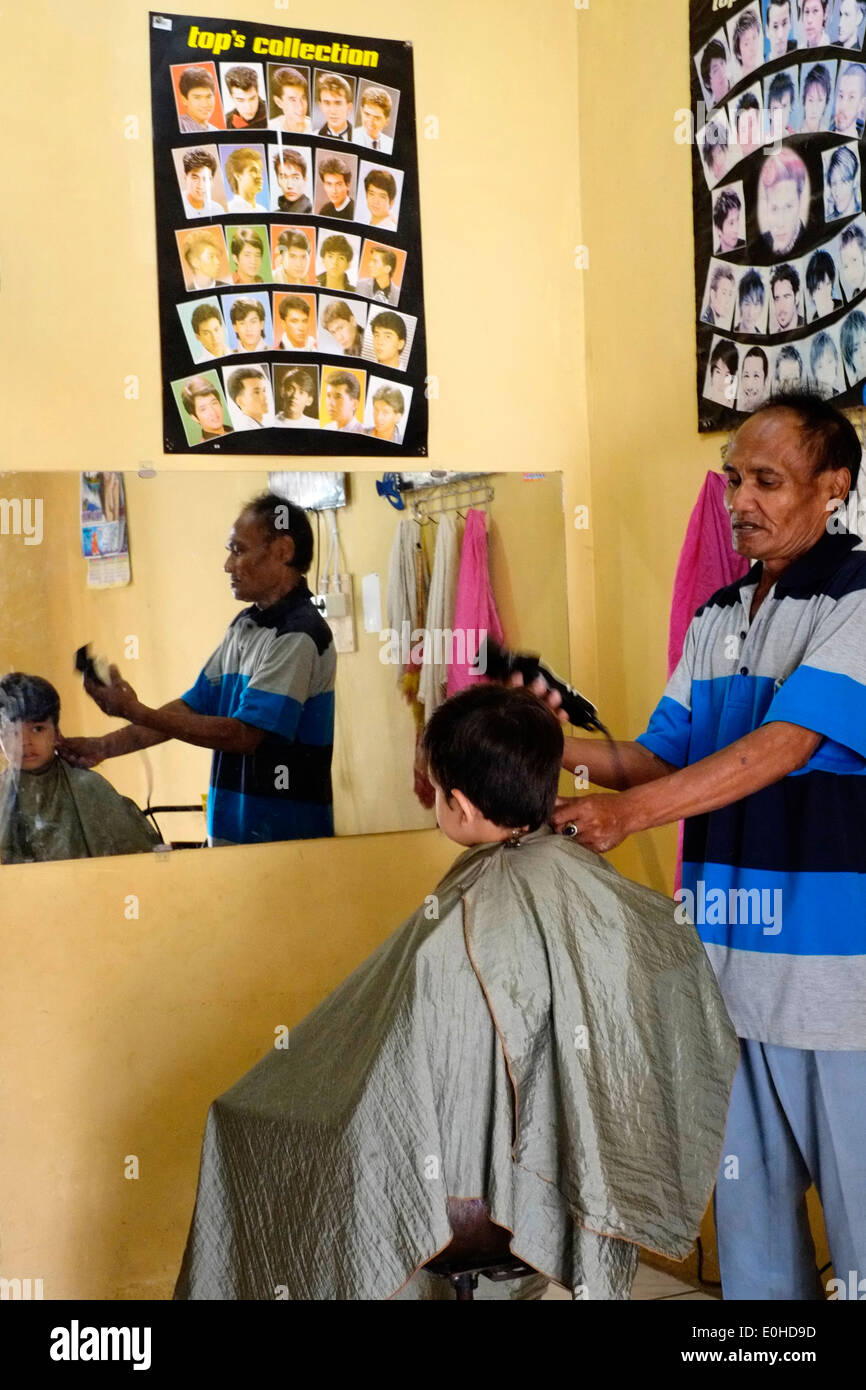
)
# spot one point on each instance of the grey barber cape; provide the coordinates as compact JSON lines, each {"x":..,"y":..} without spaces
{"x":541,"y":1033}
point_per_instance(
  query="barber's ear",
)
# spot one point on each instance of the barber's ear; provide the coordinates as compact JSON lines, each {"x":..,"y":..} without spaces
{"x":288,"y":549}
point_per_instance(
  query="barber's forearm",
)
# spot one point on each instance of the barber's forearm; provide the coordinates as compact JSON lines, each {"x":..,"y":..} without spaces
{"x":614,"y":765}
{"x":752,"y":763}
{"x":129,"y":739}
{"x":176,"y":720}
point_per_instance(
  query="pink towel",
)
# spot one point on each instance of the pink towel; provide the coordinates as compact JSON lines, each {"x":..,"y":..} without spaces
{"x":475,"y":610}
{"x":707,"y":562}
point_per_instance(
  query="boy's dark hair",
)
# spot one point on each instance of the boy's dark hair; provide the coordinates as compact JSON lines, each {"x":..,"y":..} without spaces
{"x":28,"y":699}
{"x":280,"y":517}
{"x":502,"y":748}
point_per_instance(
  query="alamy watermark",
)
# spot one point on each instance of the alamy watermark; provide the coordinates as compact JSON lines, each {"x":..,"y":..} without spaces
{"x":437,"y":644}
{"x":22,"y":516}
{"x":716,"y":907}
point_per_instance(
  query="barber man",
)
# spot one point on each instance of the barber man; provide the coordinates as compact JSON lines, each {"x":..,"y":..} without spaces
{"x":759,"y":743}
{"x":264,"y":701}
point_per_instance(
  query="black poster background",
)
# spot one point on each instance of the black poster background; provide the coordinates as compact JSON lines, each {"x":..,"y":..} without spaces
{"x":394,"y":69}
{"x":704,"y":23}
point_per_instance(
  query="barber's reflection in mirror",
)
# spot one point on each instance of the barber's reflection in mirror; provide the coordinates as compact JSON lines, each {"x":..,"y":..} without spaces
{"x":264,"y":701}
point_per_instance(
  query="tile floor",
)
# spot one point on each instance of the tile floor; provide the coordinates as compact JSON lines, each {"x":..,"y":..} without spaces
{"x":649,"y":1284}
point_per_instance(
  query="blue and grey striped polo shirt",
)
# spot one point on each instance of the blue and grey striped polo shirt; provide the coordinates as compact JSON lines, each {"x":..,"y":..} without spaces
{"x":776,"y":882}
{"x":275,"y":669}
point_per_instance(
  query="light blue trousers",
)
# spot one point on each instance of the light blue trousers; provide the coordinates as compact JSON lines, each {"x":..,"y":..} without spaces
{"x":796,"y":1118}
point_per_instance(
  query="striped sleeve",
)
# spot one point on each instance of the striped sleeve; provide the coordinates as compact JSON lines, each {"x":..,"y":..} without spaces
{"x":669,"y":731}
{"x":274,"y":697}
{"x":827,"y":691}
{"x":203,"y":697}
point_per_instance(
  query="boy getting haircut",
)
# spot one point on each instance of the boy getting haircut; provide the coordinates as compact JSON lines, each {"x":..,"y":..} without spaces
{"x":540,"y":1033}
{"x":49,"y":810}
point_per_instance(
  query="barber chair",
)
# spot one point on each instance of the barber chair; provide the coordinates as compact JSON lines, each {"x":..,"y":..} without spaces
{"x":478,"y":1246}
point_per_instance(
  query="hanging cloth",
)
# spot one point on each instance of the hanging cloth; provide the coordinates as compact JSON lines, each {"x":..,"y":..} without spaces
{"x":475,"y":610}
{"x":707,"y":562}
{"x":401,"y":600}
{"x":440,"y":614}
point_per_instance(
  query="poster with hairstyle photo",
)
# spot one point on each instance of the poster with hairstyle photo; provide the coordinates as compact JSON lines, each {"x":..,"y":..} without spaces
{"x":295,"y":322}
{"x":249,"y":396}
{"x":754,"y":378}
{"x":289,"y":99}
{"x":293,"y":255}
{"x":782,"y":113}
{"x":721,"y":379}
{"x":780,"y":18}
{"x":823,"y":296}
{"x":848,"y":24}
{"x":817,"y":81}
{"x":246,"y":177}
{"x":752,"y":301}
{"x":787,"y":309}
{"x":746,"y":42}
{"x":841,"y":181}
{"x":783,"y":202}
{"x":388,"y":341}
{"x":196,"y":98}
{"x":379,"y":197}
{"x":336,"y":181}
{"x":745,"y":120}
{"x":291,"y":180}
{"x":337,"y":260}
{"x":334,"y":94}
{"x":380,"y":273}
{"x":203,"y":258}
{"x":243,"y":92}
{"x":849,"y":103}
{"x":812,"y":30}
{"x":375,"y":116}
{"x":200,"y":180}
{"x":248,"y":254}
{"x":341,"y":325}
{"x":248,"y":319}
{"x":204,"y":329}
{"x":202,"y":405}
{"x":822,"y":357}
{"x":729,"y":219}
{"x":787,"y":369}
{"x":341,"y":407}
{"x":713,"y":64}
{"x":720,"y":294}
{"x":849,"y":253}
{"x":296,"y":396}
{"x":260,"y":210}
{"x":718,"y":154}
{"x":387,"y":410}
{"x":852,"y":340}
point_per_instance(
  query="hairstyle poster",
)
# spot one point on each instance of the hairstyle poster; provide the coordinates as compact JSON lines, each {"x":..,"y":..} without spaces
{"x":288,"y":240}
{"x":778,"y":109}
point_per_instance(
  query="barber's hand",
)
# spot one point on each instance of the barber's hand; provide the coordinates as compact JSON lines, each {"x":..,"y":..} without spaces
{"x":80,"y":752}
{"x":118,"y":699}
{"x":539,"y":687}
{"x":599,"y":819}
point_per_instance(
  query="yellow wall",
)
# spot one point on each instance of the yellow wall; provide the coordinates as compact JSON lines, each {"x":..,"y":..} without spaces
{"x":117,"y":1033}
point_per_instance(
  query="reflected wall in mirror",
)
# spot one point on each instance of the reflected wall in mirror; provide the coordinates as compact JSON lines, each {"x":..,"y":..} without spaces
{"x":163,"y":627}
